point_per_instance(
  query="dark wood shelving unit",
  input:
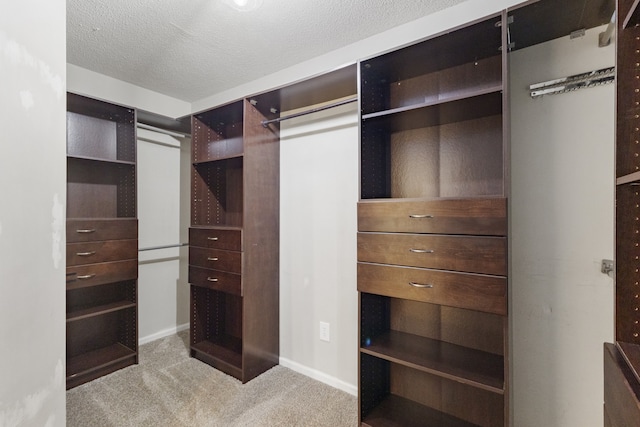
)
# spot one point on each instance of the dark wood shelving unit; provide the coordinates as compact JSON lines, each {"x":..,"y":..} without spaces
{"x":432,"y":229}
{"x":622,"y":359}
{"x":398,"y":411}
{"x":102,"y":239}
{"x":234,"y":235}
{"x":467,"y":366}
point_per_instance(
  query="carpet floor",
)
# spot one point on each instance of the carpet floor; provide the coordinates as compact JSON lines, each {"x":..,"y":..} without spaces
{"x":168,"y":388}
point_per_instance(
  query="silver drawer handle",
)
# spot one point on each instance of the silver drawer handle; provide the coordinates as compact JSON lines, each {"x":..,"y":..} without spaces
{"x":88,"y":276}
{"x":212,"y":259}
{"x":421,"y":251}
{"x":212,"y":238}
{"x":420,"y":285}
{"x":212,"y":279}
{"x":420,"y":216}
{"x":86,"y":230}
{"x":85,"y":253}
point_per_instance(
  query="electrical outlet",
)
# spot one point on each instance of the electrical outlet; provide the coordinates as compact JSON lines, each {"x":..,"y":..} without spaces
{"x":324,"y":332}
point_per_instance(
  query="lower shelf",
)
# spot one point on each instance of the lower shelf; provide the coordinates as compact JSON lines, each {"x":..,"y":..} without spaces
{"x":84,"y":313}
{"x":87,"y":366}
{"x":398,"y":411}
{"x":225,"y":354}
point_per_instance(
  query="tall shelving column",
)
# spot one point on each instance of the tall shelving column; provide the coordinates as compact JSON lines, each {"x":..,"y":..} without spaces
{"x":622,"y":359}
{"x":432,"y":232}
{"x":102,"y":239}
{"x":234,"y":240}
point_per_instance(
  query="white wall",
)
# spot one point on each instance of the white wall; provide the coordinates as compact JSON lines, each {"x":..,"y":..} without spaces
{"x":99,"y":86}
{"x":561,"y":227}
{"x":32,"y":213}
{"x":163,"y":290}
{"x":318,"y":196}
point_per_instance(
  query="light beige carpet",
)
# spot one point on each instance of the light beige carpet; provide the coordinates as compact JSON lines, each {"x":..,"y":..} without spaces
{"x":168,"y":388}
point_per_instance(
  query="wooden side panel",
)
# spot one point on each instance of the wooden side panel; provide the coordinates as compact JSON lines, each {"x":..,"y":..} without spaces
{"x":261,"y":232}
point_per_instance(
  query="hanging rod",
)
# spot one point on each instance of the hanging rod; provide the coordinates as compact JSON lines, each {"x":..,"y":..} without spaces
{"x":160,"y":130}
{"x":577,"y":81}
{"x":313,"y":110}
{"x":153,"y":248}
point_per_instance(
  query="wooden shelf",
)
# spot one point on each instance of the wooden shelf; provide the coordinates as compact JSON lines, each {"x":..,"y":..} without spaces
{"x":475,"y":105}
{"x":397,"y":411}
{"x":628,"y":179}
{"x":99,"y":310}
{"x":97,"y":359}
{"x":226,"y":353}
{"x":465,"y":365}
{"x":633,"y":16}
{"x":100,"y":160}
{"x":217,"y":159}
{"x":631,"y":354}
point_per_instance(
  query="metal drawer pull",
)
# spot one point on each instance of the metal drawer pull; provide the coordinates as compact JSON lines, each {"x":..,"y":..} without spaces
{"x":212,"y":238}
{"x":212,"y":279}
{"x":212,"y":259}
{"x":86,"y":230}
{"x":420,"y":216}
{"x":421,"y":251}
{"x":85,"y":253}
{"x":420,"y":285}
{"x":88,"y":276}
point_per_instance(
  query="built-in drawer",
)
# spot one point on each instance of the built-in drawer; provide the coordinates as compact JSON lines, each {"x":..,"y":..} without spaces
{"x":458,"y":253}
{"x":82,"y":276}
{"x":216,"y":238}
{"x":102,"y":251}
{"x":462,"y":290}
{"x":215,"y":279}
{"x":92,"y":230}
{"x":216,"y":259}
{"x":482,"y":216}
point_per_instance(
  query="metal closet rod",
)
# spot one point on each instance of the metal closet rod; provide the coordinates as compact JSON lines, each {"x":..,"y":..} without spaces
{"x":153,"y":248}
{"x":313,"y":110}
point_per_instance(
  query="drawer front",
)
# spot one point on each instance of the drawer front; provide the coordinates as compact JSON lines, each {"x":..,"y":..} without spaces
{"x":82,"y":276}
{"x":104,"y":251}
{"x":214,"y":279}
{"x":458,"y":253}
{"x":216,"y":238}
{"x":216,"y":259}
{"x":486,"y":217}
{"x":93,"y":230}
{"x":470,"y":291}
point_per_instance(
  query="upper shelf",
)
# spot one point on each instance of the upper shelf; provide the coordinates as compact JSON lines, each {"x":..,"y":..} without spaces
{"x":546,"y":20}
{"x":473,"y":105}
{"x":633,"y":16}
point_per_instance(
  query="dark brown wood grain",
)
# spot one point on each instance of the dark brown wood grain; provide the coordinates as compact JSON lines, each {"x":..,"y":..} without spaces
{"x":101,"y":273}
{"x":230,"y":261}
{"x":473,"y":254}
{"x":470,"y":291}
{"x":621,"y":390}
{"x":101,"y":251}
{"x":229,"y":239}
{"x":215,"y":279}
{"x":92,"y":230}
{"x":479,"y":216}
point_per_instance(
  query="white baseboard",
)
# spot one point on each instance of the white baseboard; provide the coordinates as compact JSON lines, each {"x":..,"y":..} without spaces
{"x":320,"y":376}
{"x":163,"y":333}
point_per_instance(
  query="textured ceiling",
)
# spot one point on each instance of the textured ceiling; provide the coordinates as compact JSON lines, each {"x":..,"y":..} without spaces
{"x":191,"y":49}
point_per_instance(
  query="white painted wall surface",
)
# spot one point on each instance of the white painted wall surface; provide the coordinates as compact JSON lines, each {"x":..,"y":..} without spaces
{"x":32,"y":213}
{"x":561,"y":227}
{"x":163,"y":290}
{"x":96,"y":85}
{"x":318,"y":197}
